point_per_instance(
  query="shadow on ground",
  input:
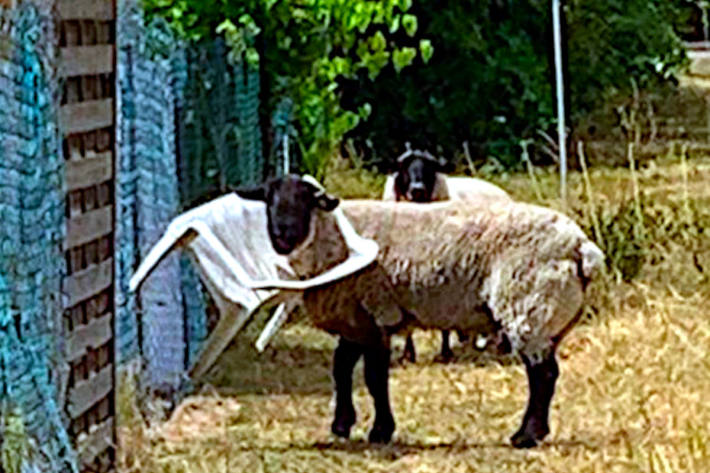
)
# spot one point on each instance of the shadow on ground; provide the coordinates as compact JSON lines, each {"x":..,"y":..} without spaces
{"x":299,"y":361}
{"x":399,"y":448}
{"x":281,"y":370}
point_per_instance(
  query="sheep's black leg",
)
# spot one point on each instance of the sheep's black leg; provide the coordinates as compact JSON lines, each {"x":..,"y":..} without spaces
{"x":541,"y":378}
{"x":409,"y":354}
{"x":377,"y":363}
{"x":446,"y":353}
{"x":463,"y":336}
{"x":344,"y":360}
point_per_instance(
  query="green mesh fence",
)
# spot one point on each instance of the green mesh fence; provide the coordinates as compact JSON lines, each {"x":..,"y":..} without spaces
{"x":220,"y":146}
{"x":220,"y":136}
{"x":188,"y":129}
{"x":32,"y":374}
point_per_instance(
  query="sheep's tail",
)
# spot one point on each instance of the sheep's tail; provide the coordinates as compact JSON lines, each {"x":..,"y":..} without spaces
{"x":589,"y":262}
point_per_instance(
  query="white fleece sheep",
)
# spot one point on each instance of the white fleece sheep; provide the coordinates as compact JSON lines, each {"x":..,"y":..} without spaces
{"x":451,"y":188}
{"x":511,"y":269}
{"x":453,"y":265}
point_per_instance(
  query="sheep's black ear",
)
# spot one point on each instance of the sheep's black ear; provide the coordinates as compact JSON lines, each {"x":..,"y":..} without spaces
{"x":446,"y":166}
{"x":253,"y":193}
{"x":326,"y":202}
{"x":433,"y":165}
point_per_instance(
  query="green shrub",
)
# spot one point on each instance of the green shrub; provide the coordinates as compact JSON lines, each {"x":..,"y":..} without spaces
{"x":621,"y":236}
{"x":491,"y":81}
{"x":303,"y":48}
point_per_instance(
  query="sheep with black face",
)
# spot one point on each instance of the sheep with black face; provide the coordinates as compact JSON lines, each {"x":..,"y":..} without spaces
{"x":420,"y":178}
{"x":515,"y":271}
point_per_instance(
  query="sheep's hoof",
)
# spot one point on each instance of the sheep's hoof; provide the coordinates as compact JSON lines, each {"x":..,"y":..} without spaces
{"x":381,"y":432}
{"x":340,"y":430}
{"x":444,"y":357}
{"x":406,"y":359}
{"x":526,"y":439}
{"x":409,"y":357}
{"x":523,"y":440}
{"x":410,"y":353}
{"x":342,"y":424}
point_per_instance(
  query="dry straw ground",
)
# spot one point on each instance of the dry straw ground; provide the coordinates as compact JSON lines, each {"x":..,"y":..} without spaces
{"x":633,"y":395}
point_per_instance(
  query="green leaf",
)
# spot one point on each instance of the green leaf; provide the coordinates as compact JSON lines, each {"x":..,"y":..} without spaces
{"x":364,"y":111}
{"x":409,"y":22}
{"x":426,"y":50}
{"x":405,"y":5}
{"x":364,"y":23}
{"x":249,"y":25}
{"x":176,"y":12}
{"x":252,"y":57}
{"x":341,"y":66}
{"x":284,"y":42}
{"x":226,"y":26}
{"x":401,"y":58}
{"x":394,"y":25}
{"x":378,"y":42}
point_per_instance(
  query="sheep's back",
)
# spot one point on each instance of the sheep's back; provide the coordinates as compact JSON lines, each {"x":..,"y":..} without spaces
{"x":471,"y":188}
{"x":445,"y":260}
{"x":426,"y":253}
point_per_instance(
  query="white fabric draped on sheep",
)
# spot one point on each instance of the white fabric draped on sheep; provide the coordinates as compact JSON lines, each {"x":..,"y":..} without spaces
{"x":228,"y":240}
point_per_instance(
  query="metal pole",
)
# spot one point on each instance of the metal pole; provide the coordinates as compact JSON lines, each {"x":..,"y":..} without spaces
{"x":287,"y":165}
{"x":560,"y":97}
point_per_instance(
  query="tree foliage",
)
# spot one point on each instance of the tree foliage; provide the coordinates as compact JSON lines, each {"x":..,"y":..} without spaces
{"x":491,"y":80}
{"x":303,"y":48}
{"x":615,"y":42}
{"x":437,"y":74}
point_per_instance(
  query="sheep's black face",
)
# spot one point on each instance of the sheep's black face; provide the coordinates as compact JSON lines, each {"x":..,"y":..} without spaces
{"x":416,"y":178}
{"x":289,"y":204}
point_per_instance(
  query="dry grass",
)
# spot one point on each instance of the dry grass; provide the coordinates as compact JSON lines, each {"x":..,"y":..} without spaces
{"x":631,"y":395}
